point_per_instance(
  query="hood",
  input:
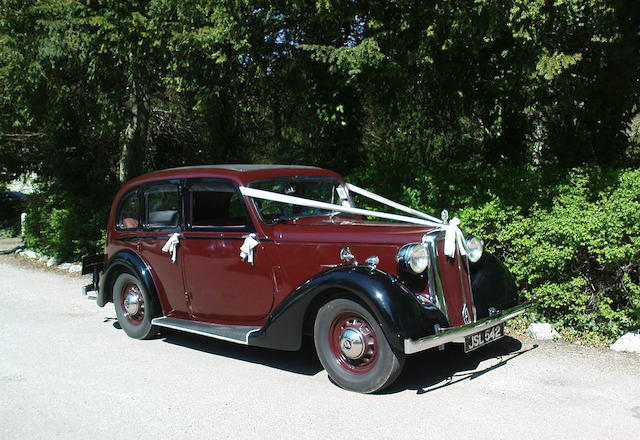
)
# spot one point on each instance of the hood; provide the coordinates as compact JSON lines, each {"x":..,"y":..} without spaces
{"x":347,"y":230}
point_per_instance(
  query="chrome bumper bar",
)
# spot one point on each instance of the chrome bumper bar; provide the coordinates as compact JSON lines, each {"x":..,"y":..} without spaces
{"x":457,"y":334}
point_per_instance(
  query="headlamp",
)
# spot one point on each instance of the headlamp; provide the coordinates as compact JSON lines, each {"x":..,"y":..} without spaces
{"x":474,"y":247}
{"x":413,"y":256}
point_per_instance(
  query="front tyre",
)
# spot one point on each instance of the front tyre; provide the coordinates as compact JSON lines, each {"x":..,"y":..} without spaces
{"x":352,"y":348}
{"x":134,"y":307}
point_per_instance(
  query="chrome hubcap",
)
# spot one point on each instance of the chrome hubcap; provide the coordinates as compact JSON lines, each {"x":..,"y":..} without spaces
{"x":133,"y":302}
{"x":352,"y":343}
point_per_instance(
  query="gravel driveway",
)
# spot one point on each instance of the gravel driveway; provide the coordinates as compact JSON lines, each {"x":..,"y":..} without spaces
{"x":67,"y":371}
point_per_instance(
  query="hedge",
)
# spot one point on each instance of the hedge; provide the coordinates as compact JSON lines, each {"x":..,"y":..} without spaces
{"x":572,"y":240}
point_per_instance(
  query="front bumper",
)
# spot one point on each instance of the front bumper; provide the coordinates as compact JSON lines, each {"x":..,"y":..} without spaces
{"x":457,"y":334}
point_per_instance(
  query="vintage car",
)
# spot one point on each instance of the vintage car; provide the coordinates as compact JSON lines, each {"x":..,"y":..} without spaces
{"x":264,"y":254}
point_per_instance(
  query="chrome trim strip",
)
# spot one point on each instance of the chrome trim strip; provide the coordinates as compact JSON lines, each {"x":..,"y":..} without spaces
{"x":462,"y":273}
{"x":435,"y":282}
{"x":457,"y":334}
{"x":230,"y":333}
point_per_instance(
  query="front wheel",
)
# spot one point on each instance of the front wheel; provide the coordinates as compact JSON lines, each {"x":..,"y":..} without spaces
{"x":352,"y":348}
{"x":134,"y":307}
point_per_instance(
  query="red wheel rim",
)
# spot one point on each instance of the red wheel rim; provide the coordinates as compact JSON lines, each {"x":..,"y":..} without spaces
{"x":345,"y":334}
{"x":132,"y":303}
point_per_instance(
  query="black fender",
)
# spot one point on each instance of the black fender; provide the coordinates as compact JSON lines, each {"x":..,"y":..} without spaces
{"x":129,"y":261}
{"x":492,"y":285}
{"x":394,"y":306}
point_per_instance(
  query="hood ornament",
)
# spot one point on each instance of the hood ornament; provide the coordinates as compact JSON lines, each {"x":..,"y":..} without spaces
{"x":346,"y":255}
{"x":444,"y":215}
{"x":372,"y":262}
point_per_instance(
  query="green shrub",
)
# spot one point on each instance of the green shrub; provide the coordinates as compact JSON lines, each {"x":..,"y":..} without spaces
{"x":65,"y":226}
{"x":9,"y":229}
{"x":572,"y":240}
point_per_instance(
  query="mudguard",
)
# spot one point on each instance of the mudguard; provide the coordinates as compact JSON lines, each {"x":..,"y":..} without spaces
{"x":492,"y":285}
{"x":395,"y":307}
{"x":123,"y":260}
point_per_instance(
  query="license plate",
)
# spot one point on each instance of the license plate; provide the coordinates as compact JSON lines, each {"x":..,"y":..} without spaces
{"x":479,"y":339}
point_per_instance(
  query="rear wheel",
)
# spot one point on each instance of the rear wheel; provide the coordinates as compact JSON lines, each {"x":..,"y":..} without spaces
{"x":134,"y":307}
{"x":352,"y":348}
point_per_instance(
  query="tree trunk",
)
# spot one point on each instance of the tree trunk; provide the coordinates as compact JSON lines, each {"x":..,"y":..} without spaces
{"x":134,"y":137}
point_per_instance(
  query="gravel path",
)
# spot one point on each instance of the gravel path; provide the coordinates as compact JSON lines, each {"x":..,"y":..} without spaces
{"x":66,"y":371}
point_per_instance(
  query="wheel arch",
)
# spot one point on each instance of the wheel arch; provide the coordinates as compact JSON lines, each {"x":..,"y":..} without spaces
{"x":125,"y":261}
{"x":323,"y":297}
{"x":391,"y":303}
{"x":492,"y":285}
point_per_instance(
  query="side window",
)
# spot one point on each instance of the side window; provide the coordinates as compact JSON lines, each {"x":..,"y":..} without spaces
{"x":216,"y":204}
{"x":162,"y":204}
{"x":129,"y":214}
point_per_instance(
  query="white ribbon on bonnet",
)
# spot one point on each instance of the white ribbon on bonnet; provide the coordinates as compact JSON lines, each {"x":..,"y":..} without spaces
{"x":453,"y":238}
{"x":453,"y":235}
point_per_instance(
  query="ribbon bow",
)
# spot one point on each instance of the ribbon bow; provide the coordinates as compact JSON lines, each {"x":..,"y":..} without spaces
{"x":453,"y":238}
{"x":246,"y":250}
{"x":171,"y":246}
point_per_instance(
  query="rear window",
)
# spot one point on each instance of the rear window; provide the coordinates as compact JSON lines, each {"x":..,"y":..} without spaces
{"x":129,"y":214}
{"x":162,"y":204}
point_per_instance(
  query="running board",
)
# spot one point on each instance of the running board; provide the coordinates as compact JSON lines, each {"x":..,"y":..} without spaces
{"x":231,"y":333}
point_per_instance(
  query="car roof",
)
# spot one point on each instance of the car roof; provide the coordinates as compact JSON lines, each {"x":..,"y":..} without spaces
{"x":245,"y":167}
{"x":240,"y":173}
{"x":13,"y":195}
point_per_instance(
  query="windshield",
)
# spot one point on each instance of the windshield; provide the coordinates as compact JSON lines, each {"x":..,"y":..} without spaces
{"x":319,"y":189}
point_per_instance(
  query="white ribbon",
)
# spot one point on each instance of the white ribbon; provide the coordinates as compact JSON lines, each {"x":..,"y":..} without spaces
{"x":246,"y":250}
{"x":171,"y":246}
{"x":299,"y":201}
{"x":391,"y":203}
{"x":453,"y":238}
{"x":453,"y":235}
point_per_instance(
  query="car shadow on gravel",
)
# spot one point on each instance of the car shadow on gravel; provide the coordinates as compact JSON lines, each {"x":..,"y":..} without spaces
{"x":433,"y":369}
{"x":303,"y":361}
{"x":423,"y":372}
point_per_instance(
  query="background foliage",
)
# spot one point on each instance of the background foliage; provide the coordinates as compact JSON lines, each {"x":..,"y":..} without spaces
{"x":516,"y":115}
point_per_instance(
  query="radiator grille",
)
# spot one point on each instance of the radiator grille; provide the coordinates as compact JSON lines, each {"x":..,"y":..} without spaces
{"x":456,"y":284}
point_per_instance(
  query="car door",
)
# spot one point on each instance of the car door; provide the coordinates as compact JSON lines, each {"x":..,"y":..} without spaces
{"x":221,"y":286}
{"x":162,"y":218}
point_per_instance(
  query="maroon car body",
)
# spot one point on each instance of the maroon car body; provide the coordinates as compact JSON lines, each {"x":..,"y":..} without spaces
{"x":305,"y":270}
